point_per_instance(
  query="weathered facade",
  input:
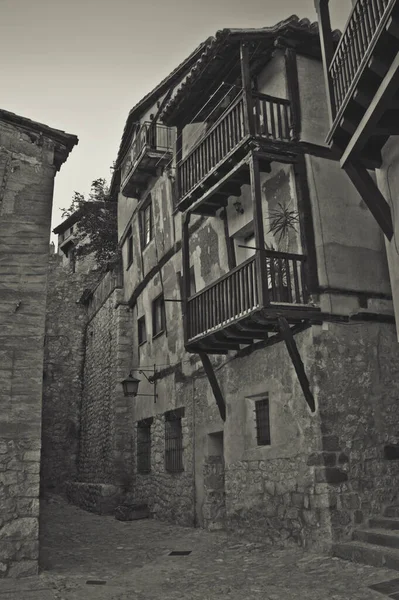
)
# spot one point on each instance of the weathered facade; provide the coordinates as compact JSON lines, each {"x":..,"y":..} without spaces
{"x":266,"y":353}
{"x":30,"y":155}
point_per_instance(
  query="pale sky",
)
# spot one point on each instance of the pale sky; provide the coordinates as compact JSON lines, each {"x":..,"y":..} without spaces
{"x":80,"y":65}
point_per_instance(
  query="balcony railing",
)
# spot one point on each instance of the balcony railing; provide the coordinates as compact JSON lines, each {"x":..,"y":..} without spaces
{"x":363,"y":28}
{"x":236,"y":294}
{"x":152,"y":137}
{"x":272,"y":120}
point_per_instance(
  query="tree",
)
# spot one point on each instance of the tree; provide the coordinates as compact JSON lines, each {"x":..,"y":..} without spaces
{"x":96,"y":228}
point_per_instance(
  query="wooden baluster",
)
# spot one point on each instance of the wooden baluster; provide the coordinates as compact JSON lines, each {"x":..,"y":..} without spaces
{"x":368,"y":24}
{"x":257,"y":107}
{"x":272,"y":119}
{"x":270,"y":270}
{"x":254,"y":287}
{"x":236,"y":293}
{"x":224,"y":300}
{"x":219,"y":304}
{"x":288,"y":278}
{"x":355,"y":44}
{"x":242,"y":288}
{"x":303,"y":281}
{"x":287,"y":120}
{"x":363,"y":30}
{"x":280,"y":279}
{"x":296,"y":282}
{"x":279,"y":122}
{"x":374,"y":14}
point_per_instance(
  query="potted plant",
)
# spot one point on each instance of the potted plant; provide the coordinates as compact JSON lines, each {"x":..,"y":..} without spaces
{"x":282,"y":221}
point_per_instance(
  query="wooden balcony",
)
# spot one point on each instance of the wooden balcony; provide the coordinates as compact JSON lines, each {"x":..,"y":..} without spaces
{"x":152,"y":148}
{"x":231,"y":311}
{"x":363,"y":81}
{"x":226,"y":142}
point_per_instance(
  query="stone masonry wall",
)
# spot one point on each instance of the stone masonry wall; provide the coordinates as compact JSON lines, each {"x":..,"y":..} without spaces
{"x":170,"y":496}
{"x":105,"y":454}
{"x":64,"y":355}
{"x":26,"y":190}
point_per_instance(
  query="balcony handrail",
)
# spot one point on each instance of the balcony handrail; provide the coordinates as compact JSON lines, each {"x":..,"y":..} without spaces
{"x":263,"y":96}
{"x":223,"y":277}
{"x":342,"y":92}
{"x":211,"y":129}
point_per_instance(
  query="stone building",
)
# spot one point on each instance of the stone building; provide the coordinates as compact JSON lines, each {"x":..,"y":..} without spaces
{"x":30,"y":155}
{"x":257,"y":317}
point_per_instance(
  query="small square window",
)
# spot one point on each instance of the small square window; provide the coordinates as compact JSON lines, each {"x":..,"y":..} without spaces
{"x":141,"y":331}
{"x":144,"y":446}
{"x":129,"y":243}
{"x":146,"y":223}
{"x":262,"y":422}
{"x":158,"y":315}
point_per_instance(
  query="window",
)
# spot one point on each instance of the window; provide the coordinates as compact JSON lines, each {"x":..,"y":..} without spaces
{"x":174,"y":441}
{"x":158,"y":315}
{"x":146,"y":223}
{"x":129,"y":243}
{"x":141,"y":331}
{"x":262,"y":422}
{"x":144,"y":446}
{"x":72,"y":229}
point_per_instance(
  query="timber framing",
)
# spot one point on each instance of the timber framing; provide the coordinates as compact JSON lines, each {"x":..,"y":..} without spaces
{"x":217,"y":392}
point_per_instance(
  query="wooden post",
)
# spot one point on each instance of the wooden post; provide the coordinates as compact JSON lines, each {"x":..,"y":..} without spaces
{"x":291,"y":73}
{"x":288,"y":338}
{"x":217,"y":392}
{"x":327,"y":52}
{"x":178,"y":154}
{"x":185,"y":248}
{"x":249,"y":121}
{"x":261,"y":267}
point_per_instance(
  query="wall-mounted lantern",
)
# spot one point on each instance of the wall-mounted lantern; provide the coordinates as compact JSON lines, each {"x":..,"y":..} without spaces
{"x":131,"y":384}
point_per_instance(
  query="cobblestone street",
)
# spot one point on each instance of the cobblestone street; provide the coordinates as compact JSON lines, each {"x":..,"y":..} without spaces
{"x":85,"y":556}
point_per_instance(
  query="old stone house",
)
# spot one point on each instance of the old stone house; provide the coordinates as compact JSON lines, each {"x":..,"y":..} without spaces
{"x":266,"y":353}
{"x":30,"y":155}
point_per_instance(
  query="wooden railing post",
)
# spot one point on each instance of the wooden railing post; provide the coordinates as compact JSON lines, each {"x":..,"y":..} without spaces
{"x":249,"y":121}
{"x":327,"y":51}
{"x":185,"y":248}
{"x":261,"y":266}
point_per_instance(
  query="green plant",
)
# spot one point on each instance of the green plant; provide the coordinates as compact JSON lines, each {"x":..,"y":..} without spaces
{"x":282,"y":220}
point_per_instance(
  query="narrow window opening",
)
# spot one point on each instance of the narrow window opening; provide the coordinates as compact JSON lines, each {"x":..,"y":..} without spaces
{"x":262,"y":422}
{"x":173,"y":442}
{"x":144,"y":446}
{"x":141,"y":331}
{"x":158,"y":315}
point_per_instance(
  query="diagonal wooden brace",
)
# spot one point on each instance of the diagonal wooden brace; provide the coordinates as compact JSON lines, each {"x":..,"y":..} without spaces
{"x":217,"y":392}
{"x":288,"y":338}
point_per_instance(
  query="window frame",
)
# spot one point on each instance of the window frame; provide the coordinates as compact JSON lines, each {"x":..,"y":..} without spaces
{"x":144,"y":209}
{"x":141,"y":329}
{"x":174,"y":441}
{"x":143,"y":446}
{"x":154,"y":307}
{"x":129,"y":247}
{"x":262,"y":421}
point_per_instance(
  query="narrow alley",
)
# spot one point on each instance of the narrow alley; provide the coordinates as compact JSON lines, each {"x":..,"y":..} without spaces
{"x":85,"y":556}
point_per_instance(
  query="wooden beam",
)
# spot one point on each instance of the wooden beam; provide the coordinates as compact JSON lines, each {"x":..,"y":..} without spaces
{"x":371,"y":195}
{"x":381,"y":102}
{"x":186,"y":272}
{"x":256,"y":193}
{"x":327,"y":52}
{"x":290,"y":343}
{"x":217,"y":392}
{"x":249,"y":120}
{"x":291,"y":74}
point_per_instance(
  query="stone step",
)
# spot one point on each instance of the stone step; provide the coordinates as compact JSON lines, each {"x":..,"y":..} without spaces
{"x":367,"y":554}
{"x":391,"y":511}
{"x":384,"y":523}
{"x":378,"y":537}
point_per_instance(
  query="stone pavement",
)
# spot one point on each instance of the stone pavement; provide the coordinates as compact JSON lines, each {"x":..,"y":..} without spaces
{"x":89,"y":557}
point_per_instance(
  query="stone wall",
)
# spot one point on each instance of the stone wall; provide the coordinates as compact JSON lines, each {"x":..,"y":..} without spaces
{"x":105,"y":454}
{"x":30,"y":153}
{"x":64,"y":354}
{"x":170,"y":496}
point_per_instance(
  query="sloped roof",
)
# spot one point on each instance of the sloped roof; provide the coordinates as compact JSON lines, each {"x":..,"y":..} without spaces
{"x":67,"y":139}
{"x":221,"y":44}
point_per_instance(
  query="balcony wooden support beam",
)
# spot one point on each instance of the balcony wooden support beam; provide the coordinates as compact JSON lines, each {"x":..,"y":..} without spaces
{"x":217,"y":392}
{"x":186,"y":272}
{"x":371,"y":195}
{"x":327,"y":51}
{"x":292,"y":348}
{"x":368,"y":124}
{"x":256,"y":193}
